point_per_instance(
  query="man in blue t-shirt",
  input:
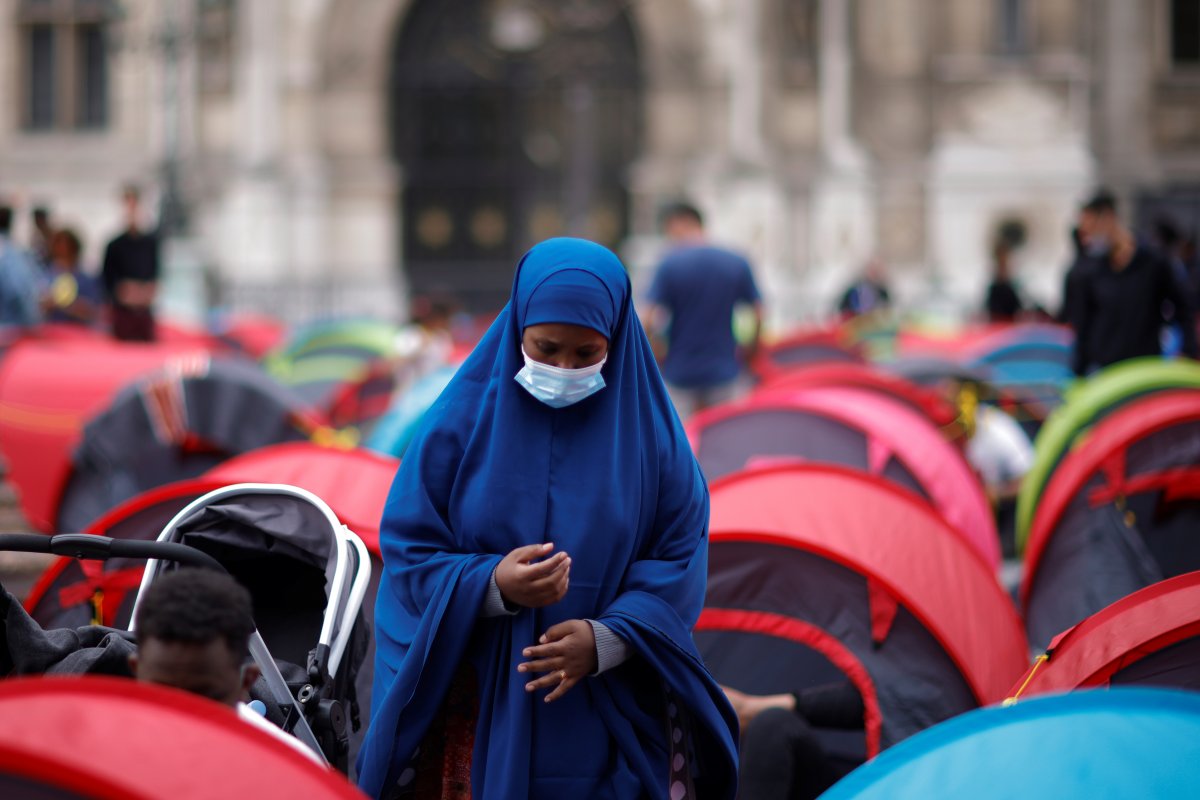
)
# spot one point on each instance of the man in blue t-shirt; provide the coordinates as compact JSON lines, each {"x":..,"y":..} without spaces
{"x":692,"y":302}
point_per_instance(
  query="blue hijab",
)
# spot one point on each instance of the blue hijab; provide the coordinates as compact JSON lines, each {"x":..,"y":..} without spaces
{"x":612,"y":481}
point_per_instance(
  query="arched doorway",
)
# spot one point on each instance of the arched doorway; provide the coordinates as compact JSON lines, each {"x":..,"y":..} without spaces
{"x":513,"y":121}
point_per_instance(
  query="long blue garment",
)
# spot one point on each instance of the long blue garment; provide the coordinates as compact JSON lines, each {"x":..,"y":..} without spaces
{"x":610,"y":480}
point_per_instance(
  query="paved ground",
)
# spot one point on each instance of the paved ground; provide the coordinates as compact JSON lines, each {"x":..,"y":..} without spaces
{"x":18,"y":571}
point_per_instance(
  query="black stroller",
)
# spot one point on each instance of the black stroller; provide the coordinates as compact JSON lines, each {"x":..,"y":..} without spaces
{"x":307,"y":574}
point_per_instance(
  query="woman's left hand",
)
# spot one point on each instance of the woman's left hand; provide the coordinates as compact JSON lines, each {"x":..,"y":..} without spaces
{"x":567,"y":652}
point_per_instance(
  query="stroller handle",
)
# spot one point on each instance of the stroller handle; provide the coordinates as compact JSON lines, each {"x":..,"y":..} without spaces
{"x":102,"y":548}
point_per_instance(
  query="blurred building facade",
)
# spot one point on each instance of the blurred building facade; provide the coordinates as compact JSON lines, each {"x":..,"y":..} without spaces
{"x":331,"y":155}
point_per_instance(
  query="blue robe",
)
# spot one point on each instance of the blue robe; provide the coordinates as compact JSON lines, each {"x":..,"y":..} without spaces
{"x":612,"y":481}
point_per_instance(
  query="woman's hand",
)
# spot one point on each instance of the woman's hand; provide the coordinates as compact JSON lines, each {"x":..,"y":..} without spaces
{"x":525,"y":581}
{"x":567,"y":651}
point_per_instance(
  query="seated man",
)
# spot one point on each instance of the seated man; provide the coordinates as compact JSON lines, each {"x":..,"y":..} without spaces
{"x":193,"y":629}
{"x":782,"y":756}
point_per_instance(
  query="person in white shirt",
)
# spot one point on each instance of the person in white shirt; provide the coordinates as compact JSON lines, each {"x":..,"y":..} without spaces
{"x":194,"y":628}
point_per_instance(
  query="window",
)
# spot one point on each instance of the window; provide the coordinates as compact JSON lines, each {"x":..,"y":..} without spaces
{"x":65,"y":65}
{"x":1011,"y":36}
{"x":1185,"y":32}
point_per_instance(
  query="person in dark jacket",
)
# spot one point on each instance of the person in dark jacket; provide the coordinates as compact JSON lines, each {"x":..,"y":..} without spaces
{"x":1121,"y":294}
{"x":130,"y":275}
{"x":1003,"y":302}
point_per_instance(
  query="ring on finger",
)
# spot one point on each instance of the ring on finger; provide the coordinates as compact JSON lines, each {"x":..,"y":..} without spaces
{"x":562,"y":675}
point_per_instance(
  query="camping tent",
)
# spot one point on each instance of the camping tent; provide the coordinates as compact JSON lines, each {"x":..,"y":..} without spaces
{"x":48,"y":391}
{"x":1149,"y":638}
{"x":322,"y":357}
{"x":174,"y":425}
{"x":854,"y":428}
{"x":109,"y":738}
{"x":820,"y":573}
{"x":395,"y":430}
{"x":805,"y":348}
{"x":1100,"y":745}
{"x":1102,"y":393}
{"x":1120,"y":512}
{"x":938,"y":409}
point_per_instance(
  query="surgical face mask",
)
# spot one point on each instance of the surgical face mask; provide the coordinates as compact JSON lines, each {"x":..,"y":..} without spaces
{"x":557,"y":387}
{"x":1098,"y":246}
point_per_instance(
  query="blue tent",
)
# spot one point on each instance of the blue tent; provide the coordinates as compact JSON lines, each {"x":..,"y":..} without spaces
{"x":1097,"y":744}
{"x":395,"y":429}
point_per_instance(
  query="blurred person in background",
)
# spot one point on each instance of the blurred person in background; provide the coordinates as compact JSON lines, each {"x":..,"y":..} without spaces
{"x":43,"y":229}
{"x":1121,"y":293}
{"x":692,"y":300}
{"x":1003,"y":301}
{"x":18,"y":278}
{"x":867,"y":294}
{"x":130,"y":274}
{"x":68,"y":294}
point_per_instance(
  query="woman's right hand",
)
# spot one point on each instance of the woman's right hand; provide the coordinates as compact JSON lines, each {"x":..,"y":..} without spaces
{"x":525,"y":581}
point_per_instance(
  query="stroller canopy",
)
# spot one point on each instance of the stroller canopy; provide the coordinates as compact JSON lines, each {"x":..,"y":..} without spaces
{"x":1120,"y":512}
{"x":71,"y":592}
{"x":176,"y":425}
{"x":1100,"y":745}
{"x":929,"y":403}
{"x":855,"y":428}
{"x":1099,"y":396}
{"x":112,"y":738}
{"x":1150,"y":638}
{"x":48,"y":391}
{"x":355,"y":482}
{"x":819,"y":573}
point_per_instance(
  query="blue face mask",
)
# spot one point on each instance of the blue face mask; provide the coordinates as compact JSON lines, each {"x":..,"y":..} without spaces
{"x":557,"y":387}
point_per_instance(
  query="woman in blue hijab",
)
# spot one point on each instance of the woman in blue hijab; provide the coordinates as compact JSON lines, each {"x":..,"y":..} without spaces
{"x":545,"y":556}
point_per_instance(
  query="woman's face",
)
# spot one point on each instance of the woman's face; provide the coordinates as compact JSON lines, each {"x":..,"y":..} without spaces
{"x":564,"y":346}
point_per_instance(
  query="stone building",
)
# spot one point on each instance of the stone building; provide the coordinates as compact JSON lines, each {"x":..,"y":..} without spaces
{"x":332,"y":155}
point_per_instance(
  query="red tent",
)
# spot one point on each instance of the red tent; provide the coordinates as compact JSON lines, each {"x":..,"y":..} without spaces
{"x":805,"y":348}
{"x":355,"y":483}
{"x":860,"y":376}
{"x":113,"y":738}
{"x":1117,"y":513}
{"x":868,"y":577}
{"x":48,"y":391}
{"x":1150,"y":638}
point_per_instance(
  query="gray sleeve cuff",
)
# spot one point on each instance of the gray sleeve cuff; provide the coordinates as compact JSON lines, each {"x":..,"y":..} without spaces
{"x":611,"y":649}
{"x":493,"y":601}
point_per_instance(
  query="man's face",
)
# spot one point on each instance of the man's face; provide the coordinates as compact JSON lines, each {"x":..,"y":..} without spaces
{"x":1094,"y":225}
{"x":210,"y":669}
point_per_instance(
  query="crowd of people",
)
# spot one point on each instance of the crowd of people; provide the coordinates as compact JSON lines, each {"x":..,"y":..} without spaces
{"x":48,"y":282}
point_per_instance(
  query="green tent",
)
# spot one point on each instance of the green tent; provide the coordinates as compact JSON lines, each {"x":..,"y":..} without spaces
{"x":1087,"y":403}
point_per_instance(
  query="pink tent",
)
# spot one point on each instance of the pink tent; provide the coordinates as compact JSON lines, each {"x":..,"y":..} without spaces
{"x":855,"y":428}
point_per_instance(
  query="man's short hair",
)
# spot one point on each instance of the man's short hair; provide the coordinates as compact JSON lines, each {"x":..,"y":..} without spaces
{"x":6,"y":218}
{"x":1102,"y":202}
{"x":197,"y":606}
{"x":679,"y":210}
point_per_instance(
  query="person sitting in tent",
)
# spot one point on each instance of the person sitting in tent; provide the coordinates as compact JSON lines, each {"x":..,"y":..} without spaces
{"x":782,"y":757}
{"x":505,"y":669}
{"x":194,"y":628}
{"x":69,"y":294}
